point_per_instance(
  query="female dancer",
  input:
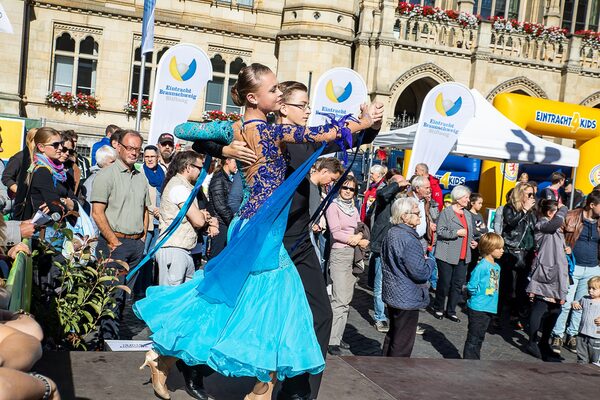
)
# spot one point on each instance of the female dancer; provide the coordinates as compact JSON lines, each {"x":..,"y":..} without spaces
{"x":250,"y":297}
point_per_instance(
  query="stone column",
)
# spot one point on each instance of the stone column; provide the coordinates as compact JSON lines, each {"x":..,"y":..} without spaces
{"x":572,"y":67}
{"x":466,"y":5}
{"x":552,"y":16}
{"x":481,"y":56}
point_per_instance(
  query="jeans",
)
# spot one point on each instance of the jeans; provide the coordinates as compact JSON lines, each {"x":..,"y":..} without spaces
{"x":478,"y":325}
{"x":588,"y":350}
{"x":378,"y":304}
{"x":577,"y":290}
{"x":434,"y":275}
{"x":131,"y":251}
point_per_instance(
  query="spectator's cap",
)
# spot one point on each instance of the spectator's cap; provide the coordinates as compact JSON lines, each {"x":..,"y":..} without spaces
{"x":448,"y":197}
{"x":568,"y":181}
{"x":166,"y":137}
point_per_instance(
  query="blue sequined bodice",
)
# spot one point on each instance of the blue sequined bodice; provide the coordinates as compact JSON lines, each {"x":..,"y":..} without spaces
{"x":264,"y":177}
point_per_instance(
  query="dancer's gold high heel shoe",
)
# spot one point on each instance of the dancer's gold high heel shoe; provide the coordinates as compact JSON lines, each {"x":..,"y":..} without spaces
{"x":262,"y":391}
{"x":159,"y":368}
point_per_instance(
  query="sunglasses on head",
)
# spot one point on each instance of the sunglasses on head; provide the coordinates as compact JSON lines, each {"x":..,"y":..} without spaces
{"x":353,"y":190}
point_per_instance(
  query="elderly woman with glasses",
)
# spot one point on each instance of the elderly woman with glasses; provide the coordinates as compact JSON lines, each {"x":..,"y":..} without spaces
{"x":518,"y":227}
{"x":455,"y":230}
{"x":343,"y":218}
{"x":406,"y":271}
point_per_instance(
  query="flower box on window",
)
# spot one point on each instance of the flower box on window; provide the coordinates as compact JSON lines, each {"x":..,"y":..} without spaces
{"x":218,"y":115}
{"x":590,"y":39}
{"x":77,"y":103}
{"x":532,"y":30}
{"x":132,"y":106}
{"x":417,"y":11}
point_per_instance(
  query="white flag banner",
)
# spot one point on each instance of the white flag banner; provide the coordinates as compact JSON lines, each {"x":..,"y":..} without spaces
{"x":5,"y":25}
{"x":447,"y":110}
{"x":183,"y":72}
{"x":339,"y":91}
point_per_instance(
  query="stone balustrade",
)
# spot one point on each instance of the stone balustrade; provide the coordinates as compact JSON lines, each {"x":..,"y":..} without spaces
{"x":430,"y":33}
{"x":519,"y":46}
{"x":514,"y":48}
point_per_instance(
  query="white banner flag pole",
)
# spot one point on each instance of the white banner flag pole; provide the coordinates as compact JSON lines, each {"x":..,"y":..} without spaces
{"x":183,"y":72}
{"x":447,"y":110}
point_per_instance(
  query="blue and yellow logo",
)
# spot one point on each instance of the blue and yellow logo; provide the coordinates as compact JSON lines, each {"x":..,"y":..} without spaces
{"x":333,"y":93}
{"x":446,"y":107}
{"x":182,"y":72}
{"x":595,"y":175}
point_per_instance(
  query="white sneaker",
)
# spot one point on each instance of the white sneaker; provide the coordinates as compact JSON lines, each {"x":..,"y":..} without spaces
{"x":382,"y":326}
{"x":420,"y":330}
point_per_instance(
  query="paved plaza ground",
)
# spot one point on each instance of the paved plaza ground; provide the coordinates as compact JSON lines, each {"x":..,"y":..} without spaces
{"x":442,"y":338}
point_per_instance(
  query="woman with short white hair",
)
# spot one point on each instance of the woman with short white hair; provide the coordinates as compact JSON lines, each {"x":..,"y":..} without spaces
{"x":105,"y":156}
{"x":406,"y":271}
{"x":376,"y":182}
{"x":453,"y":253}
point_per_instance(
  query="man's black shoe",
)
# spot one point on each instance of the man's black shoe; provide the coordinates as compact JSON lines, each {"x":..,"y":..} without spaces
{"x":334,"y":350}
{"x":344,"y":345}
{"x":284,"y":396}
{"x":194,"y":381}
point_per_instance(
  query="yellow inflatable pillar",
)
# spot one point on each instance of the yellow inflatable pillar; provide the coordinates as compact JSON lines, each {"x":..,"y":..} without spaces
{"x":588,"y":172}
{"x":490,"y":182}
{"x":407,"y":174}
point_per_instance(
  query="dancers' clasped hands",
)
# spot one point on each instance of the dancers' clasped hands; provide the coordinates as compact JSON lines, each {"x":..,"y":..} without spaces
{"x":239,"y":150}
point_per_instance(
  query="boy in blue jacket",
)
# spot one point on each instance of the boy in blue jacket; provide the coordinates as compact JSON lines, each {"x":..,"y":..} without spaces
{"x":483,"y":293}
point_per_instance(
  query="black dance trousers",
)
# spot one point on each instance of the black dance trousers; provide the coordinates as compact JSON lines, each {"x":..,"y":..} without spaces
{"x":306,"y":261}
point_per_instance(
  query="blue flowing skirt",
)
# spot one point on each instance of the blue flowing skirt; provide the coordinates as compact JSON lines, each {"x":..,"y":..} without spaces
{"x":270,"y":328}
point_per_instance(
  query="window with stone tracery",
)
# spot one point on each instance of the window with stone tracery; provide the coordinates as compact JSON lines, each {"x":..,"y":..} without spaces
{"x":218,"y":93}
{"x":580,"y":15}
{"x":150,"y":68}
{"x":508,"y":9}
{"x":75,"y":63}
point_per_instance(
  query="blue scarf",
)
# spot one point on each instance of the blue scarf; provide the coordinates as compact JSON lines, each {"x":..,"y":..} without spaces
{"x":155,"y":176}
{"x":59,"y":174}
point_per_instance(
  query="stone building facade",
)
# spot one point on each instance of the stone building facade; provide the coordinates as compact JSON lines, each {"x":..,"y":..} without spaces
{"x":92,"y":46}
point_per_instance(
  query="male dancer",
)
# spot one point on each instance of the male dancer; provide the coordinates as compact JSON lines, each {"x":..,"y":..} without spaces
{"x":306,"y":386}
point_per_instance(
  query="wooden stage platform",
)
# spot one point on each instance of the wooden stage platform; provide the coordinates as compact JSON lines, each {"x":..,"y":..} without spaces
{"x":115,"y":376}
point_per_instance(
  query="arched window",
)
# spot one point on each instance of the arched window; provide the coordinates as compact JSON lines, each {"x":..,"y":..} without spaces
{"x":75,"y":64}
{"x":150,"y":68}
{"x":218,"y":95}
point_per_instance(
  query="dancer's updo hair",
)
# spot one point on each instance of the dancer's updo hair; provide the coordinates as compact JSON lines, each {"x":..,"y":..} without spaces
{"x":248,"y":81}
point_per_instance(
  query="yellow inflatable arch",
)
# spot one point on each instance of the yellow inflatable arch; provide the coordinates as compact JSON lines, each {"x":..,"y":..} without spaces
{"x":548,"y":118}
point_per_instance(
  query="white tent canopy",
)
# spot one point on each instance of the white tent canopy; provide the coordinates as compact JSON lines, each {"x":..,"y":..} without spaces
{"x":492,"y":136}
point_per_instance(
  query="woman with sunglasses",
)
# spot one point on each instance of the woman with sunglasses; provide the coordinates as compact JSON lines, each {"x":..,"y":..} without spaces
{"x":68,"y":159}
{"x":48,"y":188}
{"x":343,"y":218}
{"x":518,"y":233}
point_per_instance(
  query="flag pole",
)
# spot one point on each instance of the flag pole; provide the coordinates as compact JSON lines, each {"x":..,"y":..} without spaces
{"x":138,"y":115}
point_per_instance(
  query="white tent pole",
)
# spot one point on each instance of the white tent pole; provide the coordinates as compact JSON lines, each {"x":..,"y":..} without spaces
{"x":502,"y":186}
{"x":572,"y":200}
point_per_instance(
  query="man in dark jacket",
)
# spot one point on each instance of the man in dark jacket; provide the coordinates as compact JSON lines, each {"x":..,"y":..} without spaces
{"x":384,"y":199}
{"x":297,"y":242}
{"x":552,"y":192}
{"x":218,"y":194}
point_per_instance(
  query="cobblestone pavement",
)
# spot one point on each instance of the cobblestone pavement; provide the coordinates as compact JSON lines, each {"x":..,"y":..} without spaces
{"x":442,"y":338}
